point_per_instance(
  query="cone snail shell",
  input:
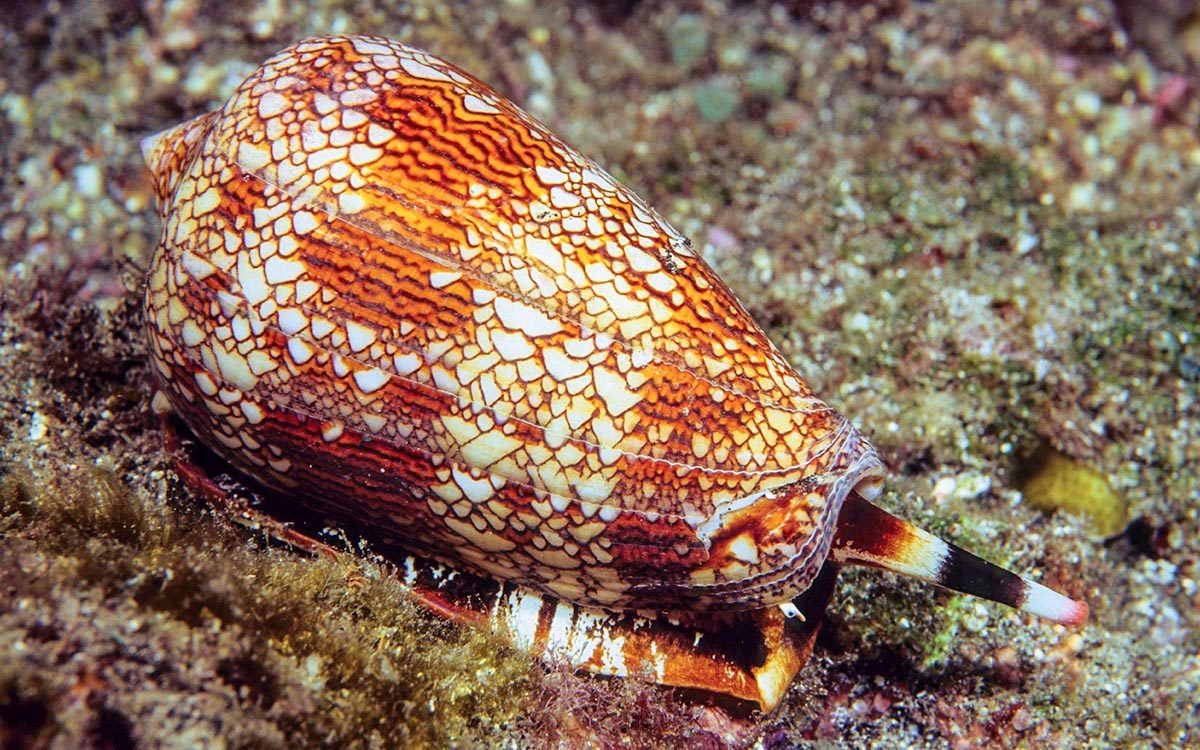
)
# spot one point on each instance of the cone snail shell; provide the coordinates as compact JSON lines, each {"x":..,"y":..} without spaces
{"x":387,"y":290}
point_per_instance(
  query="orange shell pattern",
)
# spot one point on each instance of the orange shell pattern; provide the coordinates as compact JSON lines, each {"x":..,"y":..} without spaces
{"x":386,"y":289}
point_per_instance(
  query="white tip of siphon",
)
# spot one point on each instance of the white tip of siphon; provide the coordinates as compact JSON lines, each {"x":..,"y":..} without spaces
{"x":1053,"y":606}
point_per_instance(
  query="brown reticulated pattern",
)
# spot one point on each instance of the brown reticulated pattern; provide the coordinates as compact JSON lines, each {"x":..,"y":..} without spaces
{"x":386,"y":289}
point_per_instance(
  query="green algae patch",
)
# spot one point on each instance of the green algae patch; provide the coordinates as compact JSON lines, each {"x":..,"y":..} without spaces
{"x":161,"y":603}
{"x":1051,"y":481}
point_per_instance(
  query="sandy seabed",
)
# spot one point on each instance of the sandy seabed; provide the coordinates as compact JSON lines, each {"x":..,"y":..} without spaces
{"x":971,"y":226}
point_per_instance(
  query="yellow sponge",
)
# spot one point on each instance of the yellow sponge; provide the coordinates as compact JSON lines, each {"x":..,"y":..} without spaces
{"x":1054,"y":481}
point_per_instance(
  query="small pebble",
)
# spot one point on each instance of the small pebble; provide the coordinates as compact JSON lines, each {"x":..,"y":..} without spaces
{"x":688,"y":40}
{"x":970,"y":485}
{"x":179,"y":32}
{"x":767,"y":82}
{"x":1026,"y":243}
{"x":858,"y":322}
{"x":89,"y":180}
{"x":1082,"y":197}
{"x":1022,"y":720}
{"x":715,"y":101}
{"x":943,"y":489}
{"x":1189,"y":368}
{"x":1086,"y":104}
{"x":39,"y":429}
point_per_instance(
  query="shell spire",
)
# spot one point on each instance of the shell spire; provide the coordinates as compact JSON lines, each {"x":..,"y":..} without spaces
{"x":869,"y":535}
{"x":171,"y":151}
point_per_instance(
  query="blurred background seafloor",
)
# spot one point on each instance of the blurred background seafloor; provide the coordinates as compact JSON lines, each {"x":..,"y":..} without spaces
{"x":971,"y":226}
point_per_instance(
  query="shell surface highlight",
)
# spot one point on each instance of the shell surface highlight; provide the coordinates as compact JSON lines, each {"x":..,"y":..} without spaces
{"x":388,"y":290}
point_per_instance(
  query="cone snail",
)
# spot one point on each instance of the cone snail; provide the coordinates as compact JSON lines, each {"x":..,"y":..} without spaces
{"x":386,"y":291}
